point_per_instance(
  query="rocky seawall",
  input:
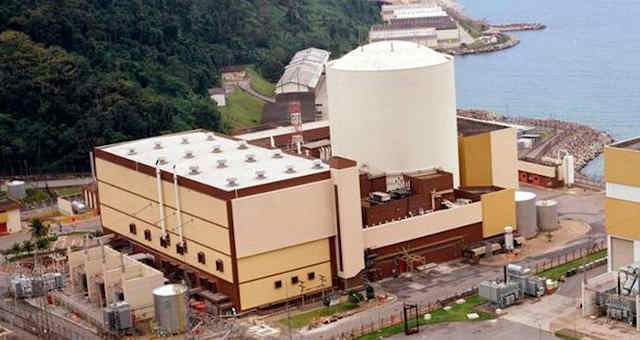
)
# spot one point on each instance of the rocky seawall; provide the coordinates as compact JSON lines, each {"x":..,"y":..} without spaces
{"x":464,"y":50}
{"x":583,"y":142}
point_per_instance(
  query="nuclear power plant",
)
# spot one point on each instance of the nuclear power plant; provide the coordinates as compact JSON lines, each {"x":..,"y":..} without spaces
{"x":392,"y":182}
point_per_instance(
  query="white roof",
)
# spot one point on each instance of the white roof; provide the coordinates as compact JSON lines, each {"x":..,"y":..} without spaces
{"x":282,"y":130}
{"x":307,"y":74}
{"x":200,"y":143}
{"x":524,"y":196}
{"x":311,"y":55}
{"x":388,"y":56}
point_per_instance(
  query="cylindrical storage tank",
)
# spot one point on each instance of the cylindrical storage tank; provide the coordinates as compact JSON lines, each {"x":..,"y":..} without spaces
{"x":16,"y":190}
{"x":526,"y":215}
{"x":548,"y":215}
{"x":170,"y":308}
{"x":392,"y":106}
{"x":508,"y":238}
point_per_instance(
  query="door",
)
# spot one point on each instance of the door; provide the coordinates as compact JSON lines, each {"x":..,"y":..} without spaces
{"x":3,"y":227}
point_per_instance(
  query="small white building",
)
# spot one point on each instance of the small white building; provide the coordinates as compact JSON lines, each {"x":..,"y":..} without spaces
{"x":425,"y":36}
{"x":304,"y":71}
{"x":217,"y":94}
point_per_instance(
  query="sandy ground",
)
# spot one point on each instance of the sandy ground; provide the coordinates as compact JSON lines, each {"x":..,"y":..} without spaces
{"x":570,"y":230}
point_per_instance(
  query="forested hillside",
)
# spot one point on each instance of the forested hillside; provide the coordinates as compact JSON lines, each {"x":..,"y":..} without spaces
{"x":81,"y":73}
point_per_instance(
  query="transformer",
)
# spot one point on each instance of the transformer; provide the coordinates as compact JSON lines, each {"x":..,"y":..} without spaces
{"x":118,"y":318}
{"x":500,"y":294}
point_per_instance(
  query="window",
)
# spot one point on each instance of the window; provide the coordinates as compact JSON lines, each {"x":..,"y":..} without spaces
{"x":294,"y":280}
{"x":147,"y":235}
{"x":165,"y":241}
{"x":278,"y":284}
{"x":181,"y":248}
{"x":201,"y":258}
{"x":311,"y":275}
{"x":219,"y":266}
{"x":132,"y":228}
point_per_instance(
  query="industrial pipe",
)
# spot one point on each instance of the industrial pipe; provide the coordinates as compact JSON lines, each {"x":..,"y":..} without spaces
{"x":160,"y":202}
{"x":178,"y":211}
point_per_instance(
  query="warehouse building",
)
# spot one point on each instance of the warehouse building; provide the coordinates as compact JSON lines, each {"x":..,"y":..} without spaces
{"x":622,"y":207}
{"x":425,"y":36}
{"x":304,"y":71}
{"x":447,"y":29}
{"x":261,"y":226}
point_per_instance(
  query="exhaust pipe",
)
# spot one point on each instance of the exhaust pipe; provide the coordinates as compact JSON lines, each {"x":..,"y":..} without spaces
{"x":160,"y":201}
{"x":178,"y":211}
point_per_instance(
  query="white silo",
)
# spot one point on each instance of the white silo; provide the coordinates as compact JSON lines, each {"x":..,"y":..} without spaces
{"x":392,"y":106}
{"x":526,"y":214}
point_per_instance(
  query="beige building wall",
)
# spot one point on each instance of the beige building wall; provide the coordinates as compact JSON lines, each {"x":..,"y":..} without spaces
{"x":64,"y":206}
{"x":621,"y":252}
{"x":349,"y":241}
{"x":538,"y":169}
{"x":192,"y":202}
{"x":291,"y":87}
{"x":263,"y":291}
{"x":258,"y":273}
{"x":283,"y":218}
{"x":504,"y":158}
{"x":423,"y":225}
{"x":119,"y":223}
{"x":448,"y":35}
{"x":197,"y":229}
{"x":498,"y":212}
{"x":13,"y":221}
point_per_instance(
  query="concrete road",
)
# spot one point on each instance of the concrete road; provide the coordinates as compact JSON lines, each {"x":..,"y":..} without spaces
{"x":483,"y":330}
{"x":58,"y":183}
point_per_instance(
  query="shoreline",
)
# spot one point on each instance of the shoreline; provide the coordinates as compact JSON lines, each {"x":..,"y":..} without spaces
{"x":582,"y":141}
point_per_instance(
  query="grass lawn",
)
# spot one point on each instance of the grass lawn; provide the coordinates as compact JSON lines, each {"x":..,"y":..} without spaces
{"x":36,"y":195}
{"x":68,"y":191}
{"x":259,"y":84}
{"x":457,"y":314}
{"x":304,"y":319}
{"x":557,"y":272}
{"x":242,"y":110}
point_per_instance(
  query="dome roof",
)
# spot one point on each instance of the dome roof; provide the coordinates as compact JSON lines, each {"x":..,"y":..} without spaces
{"x":389,"y":56}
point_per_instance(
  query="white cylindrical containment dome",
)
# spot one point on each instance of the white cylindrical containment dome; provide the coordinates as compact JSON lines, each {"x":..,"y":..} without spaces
{"x":392,"y":106}
{"x":526,"y":214}
{"x":548,"y":215}
{"x":170,"y":308}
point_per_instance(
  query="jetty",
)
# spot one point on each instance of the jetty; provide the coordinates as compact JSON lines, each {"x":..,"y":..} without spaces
{"x":516,"y":27}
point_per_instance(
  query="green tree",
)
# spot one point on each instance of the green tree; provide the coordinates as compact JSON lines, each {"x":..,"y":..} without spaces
{"x":43,"y":243}
{"x":27,"y":246}
{"x":16,"y":248}
{"x":38,"y":229}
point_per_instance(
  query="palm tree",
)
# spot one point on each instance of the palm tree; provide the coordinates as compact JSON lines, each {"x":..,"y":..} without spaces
{"x":16,"y":248}
{"x":27,"y":246}
{"x":38,"y":229}
{"x":42,"y":243}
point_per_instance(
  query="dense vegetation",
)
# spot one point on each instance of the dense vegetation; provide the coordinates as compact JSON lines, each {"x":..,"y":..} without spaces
{"x":81,"y":73}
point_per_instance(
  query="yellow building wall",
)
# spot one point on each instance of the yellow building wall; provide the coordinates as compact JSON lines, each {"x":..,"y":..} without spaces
{"x":192,"y":202}
{"x":622,"y":218}
{"x":263,"y":291}
{"x":498,"y":211}
{"x":119,"y":223}
{"x":474,"y":153}
{"x":283,"y":260}
{"x":4,"y":217}
{"x":621,"y":166}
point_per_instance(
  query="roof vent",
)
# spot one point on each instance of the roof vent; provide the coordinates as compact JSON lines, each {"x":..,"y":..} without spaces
{"x":157,"y":145}
{"x":261,"y":174}
{"x":250,"y":158}
{"x":277,"y":153}
{"x":194,"y":170}
{"x":232,"y":181}
{"x":290,"y":169}
{"x":217,"y":148}
{"x":242,"y":145}
{"x":162,"y":160}
{"x":188,"y":154}
{"x":222,"y":163}
{"x":132,"y":151}
{"x":211,"y":137}
{"x":317,"y":164}
{"x":185,"y":140}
